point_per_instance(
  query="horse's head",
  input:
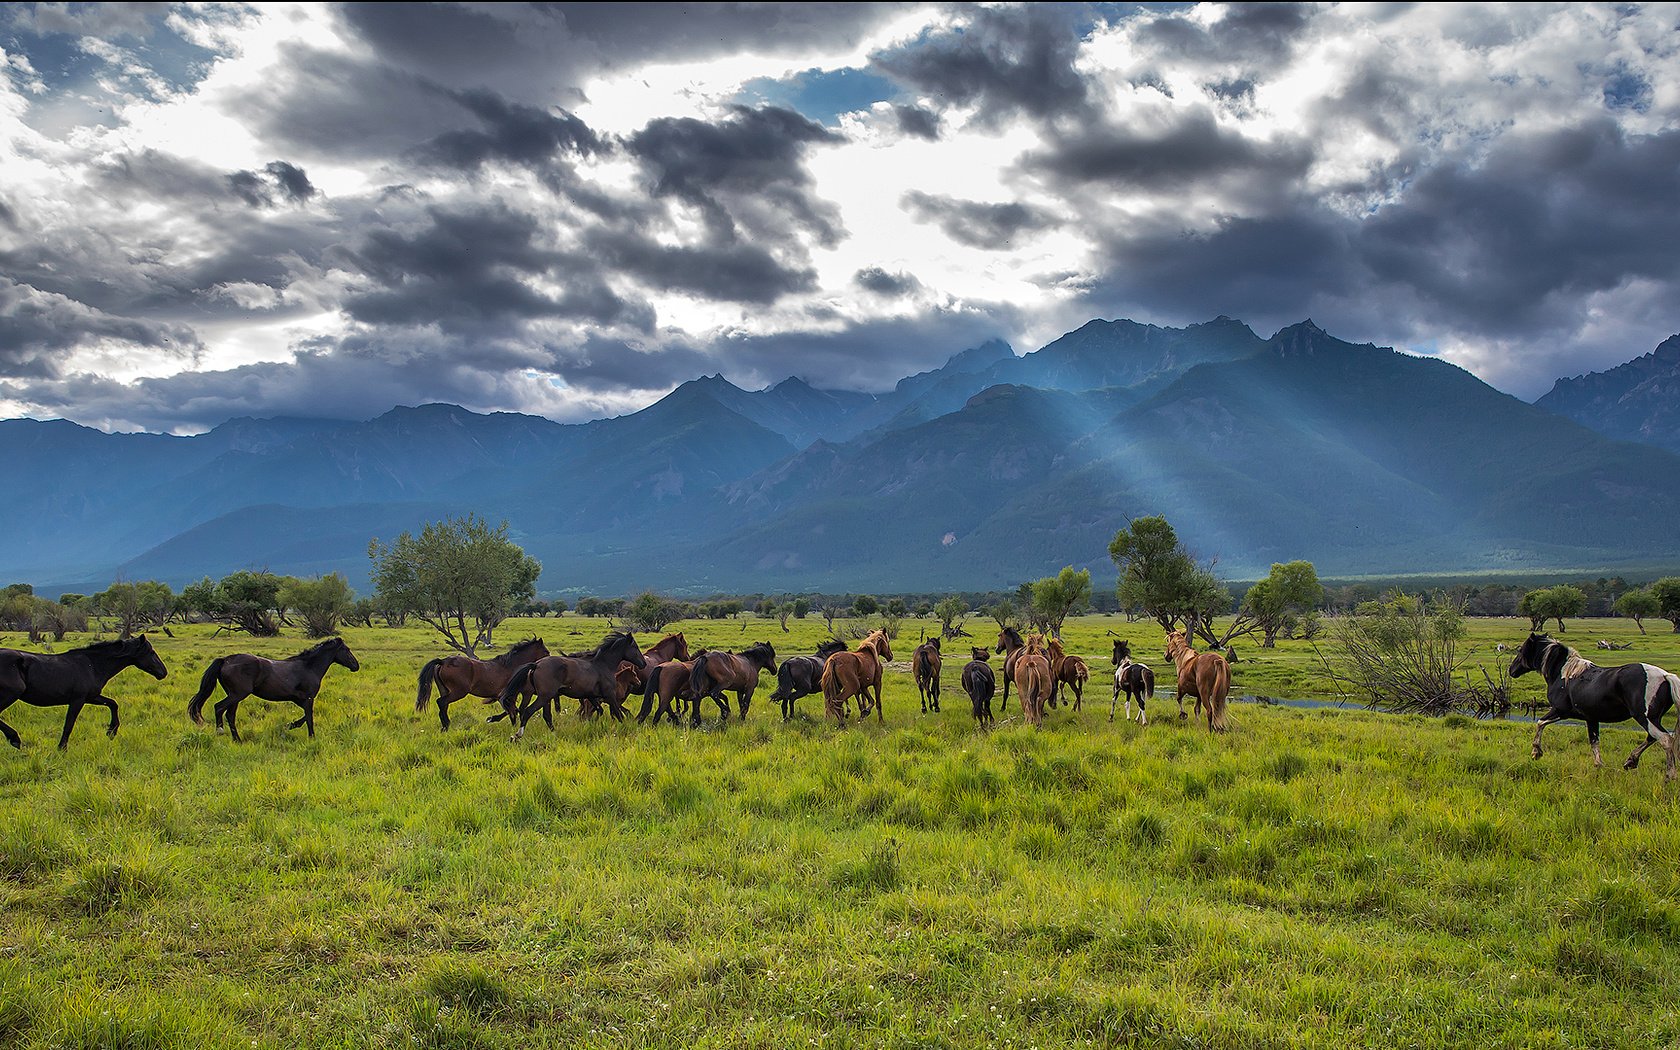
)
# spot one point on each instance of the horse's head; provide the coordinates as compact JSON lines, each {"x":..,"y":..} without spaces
{"x":1530,"y":655}
{"x":829,"y":648}
{"x":1176,"y":643}
{"x":981,"y":653}
{"x":623,"y":645}
{"x":679,"y":646}
{"x":530,"y":650}
{"x":934,"y":641}
{"x":1009,"y":639}
{"x":1122,"y":652}
{"x":146,"y":658}
{"x":341,"y":654}
{"x":762,"y":653}
{"x":878,"y":641}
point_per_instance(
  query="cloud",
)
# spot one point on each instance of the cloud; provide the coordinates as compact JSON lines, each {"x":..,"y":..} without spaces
{"x":1194,"y":147}
{"x":917,"y":122}
{"x":992,"y":227}
{"x":36,"y":327}
{"x":879,"y":281}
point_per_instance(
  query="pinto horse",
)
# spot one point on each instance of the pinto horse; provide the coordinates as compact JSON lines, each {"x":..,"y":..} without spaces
{"x":980,"y":684}
{"x":854,"y":674}
{"x":74,"y":678}
{"x":295,"y":680}
{"x":1205,"y":676}
{"x":459,"y":677}
{"x":1067,"y":670}
{"x":716,"y":671}
{"x":1135,"y":680}
{"x":802,"y":675}
{"x":925,"y":663}
{"x":592,"y":676}
{"x":1033,"y":681}
{"x":1578,"y":688}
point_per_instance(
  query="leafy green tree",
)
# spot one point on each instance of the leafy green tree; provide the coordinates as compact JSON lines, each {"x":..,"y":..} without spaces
{"x":801,"y":607}
{"x":1667,"y":591}
{"x":1291,"y":590}
{"x":1055,"y":598}
{"x":56,"y":619}
{"x":1160,"y":577}
{"x":135,"y":605}
{"x":897,"y":607}
{"x":950,"y":612}
{"x":1552,"y":603}
{"x":321,"y":602}
{"x":459,"y":576}
{"x":865,"y":605}
{"x":1637,"y":605}
{"x":651,"y":612}
{"x":1004,"y":612}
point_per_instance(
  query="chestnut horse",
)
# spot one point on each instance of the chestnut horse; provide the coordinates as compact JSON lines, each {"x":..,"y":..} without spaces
{"x":925,"y":663}
{"x":75,"y":679}
{"x":1033,"y":681}
{"x":671,"y":647}
{"x":592,"y":676}
{"x":459,"y":677}
{"x":980,"y":684}
{"x":1067,"y":670}
{"x":854,"y":674}
{"x":1010,"y":642}
{"x":1135,"y":680}
{"x":294,"y":680}
{"x":716,"y":671}
{"x":1204,"y":676}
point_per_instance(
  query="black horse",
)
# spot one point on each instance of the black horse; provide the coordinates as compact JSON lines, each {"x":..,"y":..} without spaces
{"x":802,"y":675}
{"x":591,"y":677}
{"x":294,"y":680}
{"x":980,"y":684}
{"x":75,"y":678}
{"x":1136,"y":681}
{"x":1578,"y":688}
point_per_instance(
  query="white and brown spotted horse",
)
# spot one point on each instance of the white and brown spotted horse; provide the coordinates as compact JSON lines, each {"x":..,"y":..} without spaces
{"x":1578,"y":688}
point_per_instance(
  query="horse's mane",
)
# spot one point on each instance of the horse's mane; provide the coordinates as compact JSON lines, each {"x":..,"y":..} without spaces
{"x":615,"y":638}
{"x":113,"y":646}
{"x":833,"y":645}
{"x":1012,"y":634}
{"x":526,"y":644}
{"x":1573,"y":662}
{"x":317,"y":647}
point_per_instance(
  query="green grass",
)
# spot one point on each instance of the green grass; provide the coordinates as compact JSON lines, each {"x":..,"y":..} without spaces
{"x":1313,"y":878}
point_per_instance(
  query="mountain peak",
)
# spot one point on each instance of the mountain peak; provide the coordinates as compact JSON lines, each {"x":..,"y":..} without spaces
{"x":979,"y":358}
{"x":1304,"y":339}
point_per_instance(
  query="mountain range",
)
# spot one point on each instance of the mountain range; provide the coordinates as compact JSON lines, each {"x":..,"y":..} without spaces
{"x":991,"y":469}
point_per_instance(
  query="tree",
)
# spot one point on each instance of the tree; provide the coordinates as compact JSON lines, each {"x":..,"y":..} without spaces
{"x":1667,"y":591}
{"x":950,"y":612}
{"x":801,"y":607}
{"x":245,"y":601}
{"x":865,"y":605}
{"x":460,"y":576}
{"x":1004,"y":612}
{"x":56,"y":619}
{"x":135,"y":605}
{"x":1637,"y":605}
{"x":1552,"y":603}
{"x":1291,"y":590}
{"x":1055,"y":598}
{"x":1160,"y":577}
{"x":321,"y":602}
{"x":650,"y":612}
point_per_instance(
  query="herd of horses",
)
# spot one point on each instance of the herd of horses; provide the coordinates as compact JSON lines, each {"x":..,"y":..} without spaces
{"x":528,"y":680}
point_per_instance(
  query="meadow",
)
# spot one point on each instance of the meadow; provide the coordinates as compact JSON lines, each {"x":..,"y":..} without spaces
{"x":1318,"y":877}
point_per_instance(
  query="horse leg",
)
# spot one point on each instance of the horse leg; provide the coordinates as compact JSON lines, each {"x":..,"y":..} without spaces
{"x":1592,"y":738}
{"x":11,"y":734}
{"x":1540,"y":727}
{"x":232,"y":715}
{"x":69,"y":723}
{"x":936,"y":694}
{"x":107,"y":702}
{"x":744,"y":698}
{"x":1078,"y":695}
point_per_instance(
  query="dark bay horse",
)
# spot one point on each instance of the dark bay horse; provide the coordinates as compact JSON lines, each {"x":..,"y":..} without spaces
{"x":1135,"y":680}
{"x":980,"y":684}
{"x":294,"y":680}
{"x":1578,"y":688}
{"x":459,"y":677}
{"x":925,"y":664}
{"x":74,"y":678}
{"x":802,"y":675}
{"x":665,"y":683}
{"x":855,"y":674}
{"x":1067,"y":670}
{"x":1205,"y":676}
{"x":1009,"y":642}
{"x":592,"y":676}
{"x":716,"y":671}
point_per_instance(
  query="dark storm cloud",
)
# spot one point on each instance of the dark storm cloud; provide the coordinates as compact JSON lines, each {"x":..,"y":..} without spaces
{"x":510,"y":132}
{"x":1006,"y":60}
{"x":1193,"y":149}
{"x":1253,"y":35}
{"x":868,"y":355}
{"x":977,"y":224}
{"x":917,"y":122}
{"x":613,"y":363}
{"x":734,"y":271}
{"x":292,"y":181}
{"x":879,"y":281}
{"x":37,"y":327}
{"x":746,"y":171}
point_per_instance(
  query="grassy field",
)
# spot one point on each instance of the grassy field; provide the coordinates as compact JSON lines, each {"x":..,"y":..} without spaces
{"x":1314,"y":878}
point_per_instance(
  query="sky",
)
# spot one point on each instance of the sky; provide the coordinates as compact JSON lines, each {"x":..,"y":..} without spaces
{"x":210,"y":211}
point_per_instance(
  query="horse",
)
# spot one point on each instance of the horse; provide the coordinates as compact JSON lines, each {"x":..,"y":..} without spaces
{"x":925,"y":663}
{"x":664,"y":683}
{"x":296,"y":679}
{"x":854,"y":674}
{"x":1578,"y":688}
{"x":1067,"y":670}
{"x":671,"y":647}
{"x":459,"y":677}
{"x":1010,"y":642}
{"x":979,"y":683}
{"x":802,"y":675}
{"x":74,"y":678}
{"x":1205,"y":676}
{"x":1135,"y":680}
{"x":1033,"y":681}
{"x":716,"y":671}
{"x":589,"y":676}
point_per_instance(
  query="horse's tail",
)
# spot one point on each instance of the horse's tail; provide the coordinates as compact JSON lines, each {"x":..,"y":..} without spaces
{"x":699,"y":682}
{"x":1149,"y":683}
{"x":1221,"y":690}
{"x":515,"y":686}
{"x":1081,"y":672}
{"x":830,"y":684}
{"x":206,"y":685}
{"x":424,"y":696}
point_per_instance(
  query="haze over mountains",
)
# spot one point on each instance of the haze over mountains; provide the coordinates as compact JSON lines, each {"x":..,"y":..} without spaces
{"x":987,"y":471}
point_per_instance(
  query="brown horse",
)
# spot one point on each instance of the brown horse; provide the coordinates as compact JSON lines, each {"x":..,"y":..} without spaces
{"x":671,"y":647}
{"x":1009,"y":641}
{"x":665,"y":682}
{"x":715,"y":671}
{"x":592,"y":676}
{"x":1205,"y":676}
{"x":459,"y":677}
{"x":294,"y":680}
{"x":979,"y":683}
{"x":925,"y":663}
{"x":854,"y":674}
{"x":1034,"y":681}
{"x":1067,"y":670}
